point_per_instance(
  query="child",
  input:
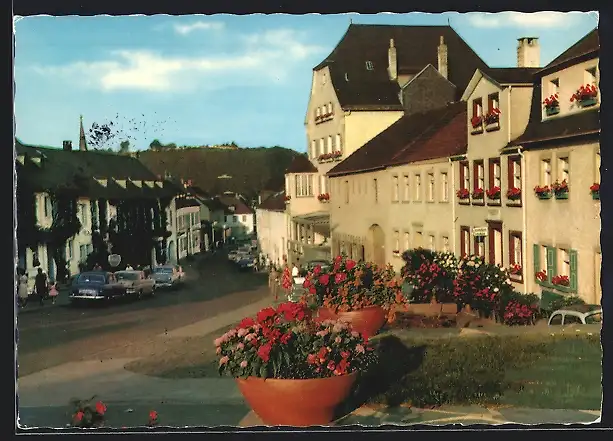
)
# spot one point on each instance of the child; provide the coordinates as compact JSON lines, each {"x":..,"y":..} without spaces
{"x":53,"y":292}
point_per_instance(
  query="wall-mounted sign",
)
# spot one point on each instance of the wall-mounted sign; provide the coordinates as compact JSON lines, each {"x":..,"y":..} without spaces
{"x":480,"y":231}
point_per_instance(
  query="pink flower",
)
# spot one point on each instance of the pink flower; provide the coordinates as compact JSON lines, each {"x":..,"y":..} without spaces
{"x":338,"y":339}
{"x":218,"y":341}
{"x":322,"y":333}
{"x":242,"y":332}
{"x":359,"y":349}
{"x":224,"y":360}
{"x":218,"y":350}
{"x":349,"y":264}
{"x":240,"y":346}
{"x":249,"y":337}
{"x":355,"y":334}
{"x":331,"y":365}
{"x":243,"y":364}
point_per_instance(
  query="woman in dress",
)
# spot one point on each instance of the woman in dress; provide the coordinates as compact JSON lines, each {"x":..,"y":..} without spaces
{"x":23,"y":288}
{"x":53,"y":292}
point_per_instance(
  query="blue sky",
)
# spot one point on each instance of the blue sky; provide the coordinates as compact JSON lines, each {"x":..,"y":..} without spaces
{"x":196,"y":80}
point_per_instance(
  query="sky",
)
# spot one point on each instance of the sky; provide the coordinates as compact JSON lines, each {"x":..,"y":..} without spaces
{"x":203,"y":80}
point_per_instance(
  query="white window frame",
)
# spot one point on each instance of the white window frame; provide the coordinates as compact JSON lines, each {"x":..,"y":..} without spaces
{"x":407,"y":240}
{"x":466,"y":182}
{"x":497,"y":175}
{"x":339,"y":142}
{"x":554,"y":86}
{"x":446,"y":244}
{"x":431,"y":242}
{"x":417,"y":192}
{"x":516,"y":169}
{"x":322,"y":146}
{"x":431,"y":187}
{"x":563,"y":266}
{"x":564,"y":169}
{"x":546,"y":172}
{"x":406,"y":188}
{"x":481,"y":175}
{"x":314,"y":149}
{"x":395,"y":188}
{"x":329,"y":145}
{"x":396,"y":240}
{"x":444,"y":187}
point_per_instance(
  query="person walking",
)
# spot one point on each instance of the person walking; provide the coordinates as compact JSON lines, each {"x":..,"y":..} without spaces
{"x":273,"y":282}
{"x":53,"y":292}
{"x":23,"y":288}
{"x":129,"y":267}
{"x":40,"y":285}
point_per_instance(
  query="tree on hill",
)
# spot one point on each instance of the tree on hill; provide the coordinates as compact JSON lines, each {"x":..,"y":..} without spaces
{"x":155,"y":144}
{"x":124,"y":146}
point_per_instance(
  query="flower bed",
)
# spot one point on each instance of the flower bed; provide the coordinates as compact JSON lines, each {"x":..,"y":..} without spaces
{"x":430,"y":274}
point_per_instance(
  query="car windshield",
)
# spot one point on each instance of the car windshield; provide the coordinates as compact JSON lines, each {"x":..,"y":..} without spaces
{"x":593,"y":318}
{"x":163,"y":270}
{"x":127,"y":276}
{"x":92,"y":278}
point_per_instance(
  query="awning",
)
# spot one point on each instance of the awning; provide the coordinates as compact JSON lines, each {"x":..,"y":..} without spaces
{"x":317,"y":218}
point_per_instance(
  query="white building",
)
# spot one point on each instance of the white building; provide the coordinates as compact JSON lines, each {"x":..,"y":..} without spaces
{"x":187,"y":226}
{"x":238,"y":217}
{"x":273,"y":226}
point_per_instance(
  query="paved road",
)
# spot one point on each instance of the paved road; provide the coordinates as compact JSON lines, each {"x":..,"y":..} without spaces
{"x":53,"y":335}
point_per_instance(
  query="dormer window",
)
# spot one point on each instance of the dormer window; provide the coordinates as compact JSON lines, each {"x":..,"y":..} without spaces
{"x":121,"y":182}
{"x":159,"y":183}
{"x":369,"y":65}
{"x":554,"y":86}
{"x":139,"y":184}
{"x":102,"y":182}
{"x":591,"y":76}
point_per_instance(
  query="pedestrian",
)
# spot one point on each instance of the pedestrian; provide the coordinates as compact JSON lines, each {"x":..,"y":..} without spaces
{"x":295,"y":269}
{"x":273,"y":282}
{"x":23,"y":288}
{"x":53,"y":292}
{"x":40,"y":285}
{"x":129,"y":267}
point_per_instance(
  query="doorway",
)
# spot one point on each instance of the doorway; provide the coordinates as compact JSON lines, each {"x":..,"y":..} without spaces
{"x":376,"y":245}
{"x":495,"y":242}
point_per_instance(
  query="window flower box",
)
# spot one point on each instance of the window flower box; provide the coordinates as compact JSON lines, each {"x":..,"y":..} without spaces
{"x":543,"y":192}
{"x":515,"y":269}
{"x":324,"y":197}
{"x":561,"y":281}
{"x":493,"y":193}
{"x":463,"y":194}
{"x":492,"y":120}
{"x":287,"y":199}
{"x":478,"y":193}
{"x":396,"y":252}
{"x":585,"y":96}
{"x":560,"y":189}
{"x":334,"y":156}
{"x":595,"y":191}
{"x":552,"y":105}
{"x":514,"y":194}
{"x":477,"y":124}
{"x":541,"y":276}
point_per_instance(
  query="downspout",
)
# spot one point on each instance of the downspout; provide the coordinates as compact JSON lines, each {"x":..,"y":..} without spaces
{"x":453,"y":208}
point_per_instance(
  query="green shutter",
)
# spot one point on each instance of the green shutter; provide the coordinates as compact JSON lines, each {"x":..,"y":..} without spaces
{"x":537,"y":258}
{"x":573,"y":269}
{"x":551,"y":263}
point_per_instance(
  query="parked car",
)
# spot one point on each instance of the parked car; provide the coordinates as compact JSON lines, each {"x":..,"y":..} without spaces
{"x":232,"y":255}
{"x":96,"y":285}
{"x":137,"y":283}
{"x":168,"y":276}
{"x":325,"y":265}
{"x":576,"y":314}
{"x":247,"y":262}
{"x":239,"y":256}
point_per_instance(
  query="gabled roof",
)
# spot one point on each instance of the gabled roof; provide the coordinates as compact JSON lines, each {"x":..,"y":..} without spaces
{"x":239,"y":205}
{"x":301,"y":164}
{"x":186,"y":202}
{"x":434,"y":134}
{"x":588,"y":44}
{"x":501,"y":77}
{"x":275,"y":202}
{"x":416,"y":46}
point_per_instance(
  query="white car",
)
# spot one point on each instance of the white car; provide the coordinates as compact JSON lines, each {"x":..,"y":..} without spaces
{"x":576,"y":314}
{"x":168,"y":276}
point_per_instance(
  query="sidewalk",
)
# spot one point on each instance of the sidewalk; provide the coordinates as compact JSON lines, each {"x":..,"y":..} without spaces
{"x":34,"y":305}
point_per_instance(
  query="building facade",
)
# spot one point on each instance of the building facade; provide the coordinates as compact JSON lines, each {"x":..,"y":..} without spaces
{"x":272,"y":220}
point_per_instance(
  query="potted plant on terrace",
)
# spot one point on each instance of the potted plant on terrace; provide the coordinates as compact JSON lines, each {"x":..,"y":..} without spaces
{"x":595,"y":191}
{"x":360,"y":293}
{"x":585,"y":96}
{"x":552,"y":105}
{"x":463,"y":194}
{"x":560,"y":189}
{"x":493,"y":193}
{"x":478,"y":193}
{"x":514,"y":194}
{"x":543,"y":192}
{"x":430,"y":274}
{"x":291,"y":369}
{"x":560,"y":280}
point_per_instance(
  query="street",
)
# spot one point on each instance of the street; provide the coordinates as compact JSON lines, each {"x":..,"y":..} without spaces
{"x":54,"y":335}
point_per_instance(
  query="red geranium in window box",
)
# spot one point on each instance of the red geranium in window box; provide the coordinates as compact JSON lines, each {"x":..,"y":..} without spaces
{"x":585,"y":95}
{"x":560,"y":280}
{"x":514,"y":193}
{"x":476,"y":121}
{"x":492,"y":117}
{"x":478,"y":193}
{"x":515,"y":269}
{"x":324,"y":197}
{"x":552,"y":102}
{"x":288,"y":198}
{"x":493,"y":193}
{"x":463,"y":193}
{"x":543,"y":192}
{"x":541,"y":275}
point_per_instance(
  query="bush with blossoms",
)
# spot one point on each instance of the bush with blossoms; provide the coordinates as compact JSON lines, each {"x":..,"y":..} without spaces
{"x":286,"y":343}
{"x":349,"y":286}
{"x":430,"y":273}
{"x":518,"y":309}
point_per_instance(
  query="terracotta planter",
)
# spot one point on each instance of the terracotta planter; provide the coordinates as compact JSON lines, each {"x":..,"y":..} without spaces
{"x":296,"y":402}
{"x":366,"y":321}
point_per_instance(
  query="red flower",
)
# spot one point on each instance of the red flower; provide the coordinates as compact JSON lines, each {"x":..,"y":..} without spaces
{"x":79,"y":416}
{"x":285,"y":338}
{"x":265,"y":314}
{"x":350,"y":264}
{"x":339,"y":277}
{"x":317,"y":270}
{"x":338,"y":259}
{"x":345,"y":354}
{"x":595,"y":187}
{"x":324,"y":279}
{"x":311,"y":359}
{"x":307,"y":283}
{"x":321,"y":355}
{"x":246,"y":322}
{"x":331,"y":365}
{"x":100,"y":407}
{"x":264,"y":352}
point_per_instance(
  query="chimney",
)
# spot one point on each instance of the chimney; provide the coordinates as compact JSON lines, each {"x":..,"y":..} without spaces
{"x":67,"y":145}
{"x":443,"y":66}
{"x":392,"y":59}
{"x":528,"y":52}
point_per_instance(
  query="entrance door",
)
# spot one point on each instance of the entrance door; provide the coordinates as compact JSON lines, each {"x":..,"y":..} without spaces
{"x":376,"y":242}
{"x":495,"y":242}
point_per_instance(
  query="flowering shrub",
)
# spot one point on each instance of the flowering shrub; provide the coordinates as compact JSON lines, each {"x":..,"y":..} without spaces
{"x":88,"y":413}
{"x":542,"y":191}
{"x":560,"y":187}
{"x":431,"y":274}
{"x":514,"y":193}
{"x":541,"y":275}
{"x":286,"y":343}
{"x":323,"y":197}
{"x":478,"y":193}
{"x":515,"y":269}
{"x":517,"y":312}
{"x":560,"y":280}
{"x":492,"y":117}
{"x":476,"y":121}
{"x":595,"y":188}
{"x":551,"y":102}
{"x":493,"y":193}
{"x":287,"y":280}
{"x":463,"y":193}
{"x":350,"y":286}
{"x":586,"y":92}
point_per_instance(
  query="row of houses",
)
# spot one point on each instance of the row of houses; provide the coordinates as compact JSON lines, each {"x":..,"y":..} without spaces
{"x":113,"y":204}
{"x":413,"y":141}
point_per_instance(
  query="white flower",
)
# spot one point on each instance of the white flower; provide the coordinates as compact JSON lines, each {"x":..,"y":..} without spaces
{"x":471,"y":263}
{"x":496,"y":289}
{"x":508,"y":281}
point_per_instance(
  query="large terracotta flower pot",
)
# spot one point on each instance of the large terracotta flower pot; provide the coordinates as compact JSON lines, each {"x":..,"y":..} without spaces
{"x":296,"y":402}
{"x":366,"y":321}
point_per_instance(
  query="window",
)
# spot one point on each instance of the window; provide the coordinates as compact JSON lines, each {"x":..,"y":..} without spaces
{"x":375,"y":188}
{"x":572,"y":320}
{"x":244,"y":218}
{"x":46,"y":205}
{"x":395,"y":189}
{"x":563,"y":263}
{"x":419,"y":239}
{"x":82,"y":253}
{"x":464,"y":176}
{"x":493,"y":102}
{"x":325,"y":111}
{"x":479,"y":181}
{"x":514,"y":172}
{"x":330,"y":108}
{"x":339,"y":146}
{"x":591,"y":76}
{"x":323,"y":187}
{"x":318,"y":111}
{"x":554,"y":86}
{"x":329,"y":149}
{"x":83,"y":215}
{"x":334,"y":141}
{"x":322,"y":147}
{"x":417,"y":195}
{"x":563,"y":170}
{"x":464,"y":241}
{"x":446,"y":244}
{"x":70,"y":246}
{"x":444,"y":187}
{"x":396,"y":240}
{"x":346,"y":192}
{"x":369,"y":65}
{"x":546,"y":172}
{"x":304,"y":185}
{"x":314,"y":149}
{"x":405,"y":192}
{"x":478,"y":107}
{"x":516,"y":251}
{"x":479,"y":246}
{"x":431,"y":242}
{"x":234,"y":219}
{"x":406,"y":240}
{"x":494,"y":165}
{"x":556,"y":320}
{"x":430,"y":187}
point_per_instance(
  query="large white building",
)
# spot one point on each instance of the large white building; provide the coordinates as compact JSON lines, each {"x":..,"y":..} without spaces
{"x":273,"y":226}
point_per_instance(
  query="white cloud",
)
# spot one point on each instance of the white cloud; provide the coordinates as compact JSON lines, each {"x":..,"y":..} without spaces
{"x":265,"y":57}
{"x":524,"y":20}
{"x":185,"y":29}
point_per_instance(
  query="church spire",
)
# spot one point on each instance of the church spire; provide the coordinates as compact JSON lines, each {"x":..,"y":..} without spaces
{"x":82,"y":140}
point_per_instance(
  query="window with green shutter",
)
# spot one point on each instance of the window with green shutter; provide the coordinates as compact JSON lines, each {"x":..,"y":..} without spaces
{"x":551,"y":263}
{"x":537,"y":258}
{"x":573,"y":270}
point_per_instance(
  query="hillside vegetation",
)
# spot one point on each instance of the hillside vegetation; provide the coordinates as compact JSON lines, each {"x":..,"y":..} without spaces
{"x":251,"y":170}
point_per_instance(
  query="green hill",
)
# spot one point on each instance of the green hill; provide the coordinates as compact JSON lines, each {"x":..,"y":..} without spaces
{"x":251,"y":170}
